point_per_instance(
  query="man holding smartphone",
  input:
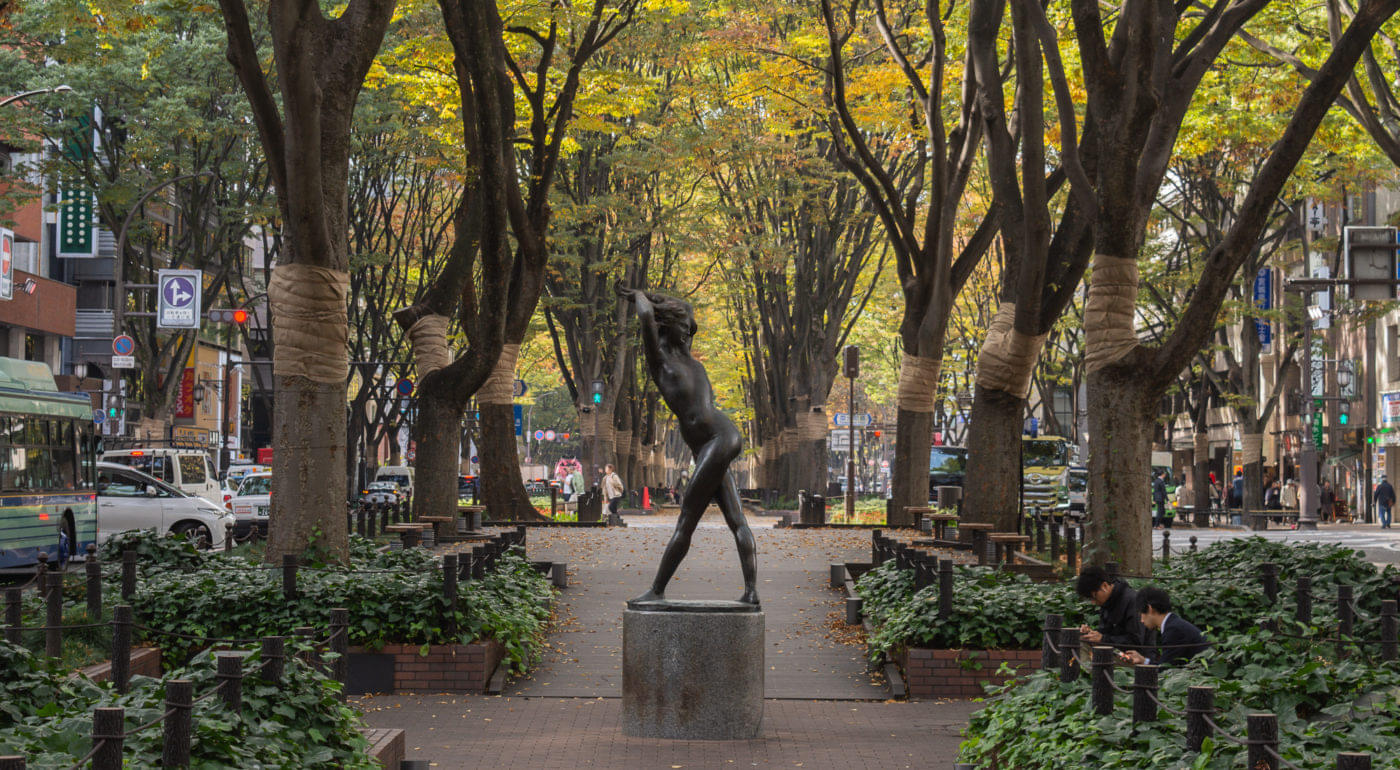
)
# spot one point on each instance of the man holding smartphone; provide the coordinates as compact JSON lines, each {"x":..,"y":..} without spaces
{"x":1179,"y":640}
{"x":1119,"y":622}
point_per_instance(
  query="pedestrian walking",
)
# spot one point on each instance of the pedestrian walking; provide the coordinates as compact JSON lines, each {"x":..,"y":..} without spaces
{"x":1159,"y":497}
{"x":1384,"y":498}
{"x":1237,"y":490}
{"x":1288,"y":497}
{"x":612,"y":488}
{"x":1328,"y":500}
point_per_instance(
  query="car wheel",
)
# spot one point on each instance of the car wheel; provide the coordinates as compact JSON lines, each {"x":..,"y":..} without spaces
{"x":194,"y":531}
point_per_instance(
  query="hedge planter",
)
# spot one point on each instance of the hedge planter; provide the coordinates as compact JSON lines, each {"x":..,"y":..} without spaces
{"x":403,"y":668}
{"x":932,"y":673}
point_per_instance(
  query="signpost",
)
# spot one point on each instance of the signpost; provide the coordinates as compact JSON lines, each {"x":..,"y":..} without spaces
{"x":123,"y":346}
{"x":178,"y":306}
{"x":521,"y":388}
{"x":843,"y":420}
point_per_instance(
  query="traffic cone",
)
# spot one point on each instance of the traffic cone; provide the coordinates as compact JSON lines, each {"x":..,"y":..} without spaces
{"x":646,"y":498}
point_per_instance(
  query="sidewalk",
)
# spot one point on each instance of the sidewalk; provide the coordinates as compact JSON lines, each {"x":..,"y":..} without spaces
{"x":547,"y":733}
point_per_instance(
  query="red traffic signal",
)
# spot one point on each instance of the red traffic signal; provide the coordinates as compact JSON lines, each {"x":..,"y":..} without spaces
{"x":228,"y":316}
{"x":877,"y":434}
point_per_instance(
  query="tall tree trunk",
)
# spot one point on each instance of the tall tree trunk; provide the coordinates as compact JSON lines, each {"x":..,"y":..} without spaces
{"x":1122,"y":412}
{"x":912,"y":440}
{"x":502,"y":488}
{"x":994,"y":446}
{"x":309,"y":420}
{"x":438,"y":435}
{"x":1252,"y":443}
{"x":1200,"y":483}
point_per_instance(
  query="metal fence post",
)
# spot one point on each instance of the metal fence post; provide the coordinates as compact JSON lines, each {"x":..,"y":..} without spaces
{"x":274,"y":655}
{"x":1388,"y":629}
{"x":289,"y":576}
{"x":230,"y":677}
{"x":13,"y":606}
{"x":1102,"y":679}
{"x":93,"y":567}
{"x":1144,"y":690}
{"x":1069,"y":654}
{"x":108,"y":731}
{"x":1167,"y":546}
{"x":1268,"y":576}
{"x":340,"y":645}
{"x":179,"y":701}
{"x":121,"y":646}
{"x":1262,"y":731}
{"x":1051,"y":631}
{"x":945,"y":589}
{"x":1200,"y":703}
{"x":53,"y":616}
{"x":128,"y":574}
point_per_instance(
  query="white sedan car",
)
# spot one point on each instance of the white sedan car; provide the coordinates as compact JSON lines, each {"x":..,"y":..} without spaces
{"x":250,"y":506}
{"x":128,"y":499}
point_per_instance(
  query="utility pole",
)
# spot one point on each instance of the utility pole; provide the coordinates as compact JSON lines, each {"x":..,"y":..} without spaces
{"x":852,"y":370}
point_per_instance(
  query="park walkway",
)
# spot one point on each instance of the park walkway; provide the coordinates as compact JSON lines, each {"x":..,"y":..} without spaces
{"x":823,"y":709}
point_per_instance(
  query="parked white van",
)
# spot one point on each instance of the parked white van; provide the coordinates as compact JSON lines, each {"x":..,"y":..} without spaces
{"x":188,"y":470}
{"x":399,"y":474}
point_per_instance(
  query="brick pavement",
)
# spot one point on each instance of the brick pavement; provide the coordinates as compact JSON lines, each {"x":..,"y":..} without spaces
{"x":546,"y":733}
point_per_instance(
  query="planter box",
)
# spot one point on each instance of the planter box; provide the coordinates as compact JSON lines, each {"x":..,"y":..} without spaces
{"x":386,"y":746}
{"x":145,"y":661}
{"x":399,"y":668}
{"x":930,"y":673}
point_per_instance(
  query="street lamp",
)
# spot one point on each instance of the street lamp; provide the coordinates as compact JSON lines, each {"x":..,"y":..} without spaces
{"x":62,"y":89}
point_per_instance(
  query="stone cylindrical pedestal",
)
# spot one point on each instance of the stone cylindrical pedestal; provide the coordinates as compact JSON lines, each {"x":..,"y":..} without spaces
{"x":692,"y":670}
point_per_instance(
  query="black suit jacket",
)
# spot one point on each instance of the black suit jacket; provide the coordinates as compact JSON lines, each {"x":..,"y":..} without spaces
{"x":1179,"y":642}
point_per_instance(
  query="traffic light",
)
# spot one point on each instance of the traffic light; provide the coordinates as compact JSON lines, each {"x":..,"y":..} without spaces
{"x":877,"y":434}
{"x":597,"y":391}
{"x":228,"y":315}
{"x":1343,"y":416}
{"x":113,"y":407}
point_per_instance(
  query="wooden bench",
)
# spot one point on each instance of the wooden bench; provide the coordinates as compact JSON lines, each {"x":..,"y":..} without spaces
{"x":1007,"y":543}
{"x":411,"y":533}
{"x":1259,"y":520}
{"x":443,"y":526}
{"x":917,"y":513}
{"x":941,"y":522}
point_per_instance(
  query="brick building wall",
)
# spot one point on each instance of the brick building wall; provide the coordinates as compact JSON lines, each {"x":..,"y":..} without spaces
{"x":930,"y":673}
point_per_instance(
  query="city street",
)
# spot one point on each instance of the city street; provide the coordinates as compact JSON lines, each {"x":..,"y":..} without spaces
{"x":1381,"y":546}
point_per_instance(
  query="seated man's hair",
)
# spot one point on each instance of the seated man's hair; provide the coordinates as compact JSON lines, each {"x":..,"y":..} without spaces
{"x":1090,"y":578}
{"x":1154,"y":597}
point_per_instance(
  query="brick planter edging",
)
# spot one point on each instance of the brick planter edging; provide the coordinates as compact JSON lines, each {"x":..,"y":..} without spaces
{"x":931,"y":673}
{"x":145,"y":661}
{"x":463,"y":668}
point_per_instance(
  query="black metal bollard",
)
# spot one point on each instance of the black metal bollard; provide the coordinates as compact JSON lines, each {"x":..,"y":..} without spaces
{"x":230,"y":678}
{"x":1144,"y":690}
{"x":128,"y":575}
{"x":1101,"y":666}
{"x":1302,"y":596}
{"x":53,"y":615}
{"x":13,"y":597}
{"x":449,"y":594}
{"x":93,"y":567}
{"x":274,"y":658}
{"x":945,"y":589}
{"x":108,"y":732}
{"x":360,"y":521}
{"x":1193,"y":544}
{"x":1069,"y":654}
{"x":853,"y":610}
{"x":1054,"y":542}
{"x":121,"y":646}
{"x":1388,"y":628}
{"x":289,"y":576}
{"x":1167,"y":545}
{"x":369,"y":526}
{"x":1268,"y":577}
{"x":1200,"y":703}
{"x":179,"y":703}
{"x":1262,"y":731}
{"x":1050,"y":632}
{"x":228,"y":538}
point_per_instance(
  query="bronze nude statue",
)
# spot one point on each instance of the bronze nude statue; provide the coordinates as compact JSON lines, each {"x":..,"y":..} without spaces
{"x":668,"y":326}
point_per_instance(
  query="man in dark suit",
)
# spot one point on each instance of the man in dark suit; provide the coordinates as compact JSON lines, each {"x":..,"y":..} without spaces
{"x":1178,"y":640}
{"x":1118,"y":613}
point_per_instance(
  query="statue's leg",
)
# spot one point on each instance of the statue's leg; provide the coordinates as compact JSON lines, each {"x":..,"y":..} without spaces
{"x":733,"y":509}
{"x":711,"y":462}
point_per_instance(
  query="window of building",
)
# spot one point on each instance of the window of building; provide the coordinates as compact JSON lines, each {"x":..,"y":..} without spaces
{"x":1392,"y":352}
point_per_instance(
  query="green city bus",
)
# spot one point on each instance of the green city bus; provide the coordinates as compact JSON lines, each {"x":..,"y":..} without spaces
{"x":48,"y":455}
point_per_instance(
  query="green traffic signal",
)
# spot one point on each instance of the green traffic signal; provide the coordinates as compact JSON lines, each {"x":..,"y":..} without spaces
{"x":1342,"y":418}
{"x":111,"y":411}
{"x":597,"y":398}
